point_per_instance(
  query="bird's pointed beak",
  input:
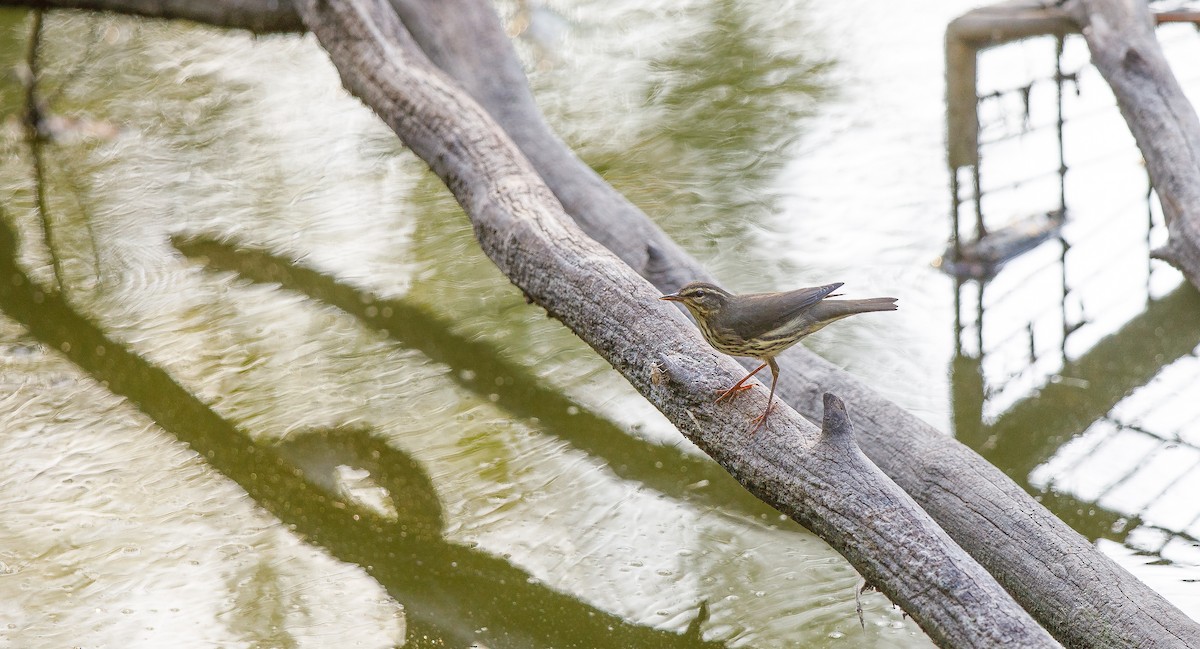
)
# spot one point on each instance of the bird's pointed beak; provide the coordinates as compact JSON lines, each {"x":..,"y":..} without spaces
{"x":673,"y":297}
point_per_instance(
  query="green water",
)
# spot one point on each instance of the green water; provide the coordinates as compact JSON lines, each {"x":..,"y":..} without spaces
{"x":262,"y":388}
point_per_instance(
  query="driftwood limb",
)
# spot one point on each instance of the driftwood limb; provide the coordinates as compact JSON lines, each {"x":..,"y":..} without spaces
{"x":1081,"y":595}
{"x":820,"y":480}
{"x":258,"y":16}
{"x":1120,"y":35}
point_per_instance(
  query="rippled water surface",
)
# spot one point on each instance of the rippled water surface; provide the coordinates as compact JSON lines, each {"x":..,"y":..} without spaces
{"x":261,"y":388}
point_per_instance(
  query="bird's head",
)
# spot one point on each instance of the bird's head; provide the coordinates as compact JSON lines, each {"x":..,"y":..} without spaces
{"x":700,"y":298}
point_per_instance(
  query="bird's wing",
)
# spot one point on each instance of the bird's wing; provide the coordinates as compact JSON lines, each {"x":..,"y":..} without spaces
{"x":769,"y":311}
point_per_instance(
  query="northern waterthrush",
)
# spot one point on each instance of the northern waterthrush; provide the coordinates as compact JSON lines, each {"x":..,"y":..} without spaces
{"x":762,"y":325}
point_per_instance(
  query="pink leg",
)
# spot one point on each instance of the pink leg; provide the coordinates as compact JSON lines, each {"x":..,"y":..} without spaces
{"x":738,"y":387}
{"x":762,"y":419}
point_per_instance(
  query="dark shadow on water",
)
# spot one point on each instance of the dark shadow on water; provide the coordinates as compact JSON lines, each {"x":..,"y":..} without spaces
{"x":1030,"y":432}
{"x":453,"y":595}
{"x":516,"y":388}
{"x":1033,"y":429}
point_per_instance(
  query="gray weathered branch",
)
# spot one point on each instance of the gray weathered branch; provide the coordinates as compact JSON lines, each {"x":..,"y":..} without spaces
{"x":1120,"y":35}
{"x":259,"y":16}
{"x":821,"y":480}
{"x":1083,"y":597}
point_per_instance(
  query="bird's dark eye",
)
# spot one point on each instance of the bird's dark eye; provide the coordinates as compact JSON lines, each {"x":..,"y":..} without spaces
{"x":699,"y":295}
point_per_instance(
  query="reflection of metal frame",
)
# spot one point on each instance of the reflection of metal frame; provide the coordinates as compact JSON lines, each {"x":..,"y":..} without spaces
{"x":980,"y":255}
{"x":1029,"y":433}
{"x":966,"y":36}
{"x":1072,"y":379}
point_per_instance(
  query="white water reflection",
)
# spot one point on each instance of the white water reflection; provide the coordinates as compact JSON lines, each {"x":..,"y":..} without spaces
{"x":116,"y":534}
{"x":252,"y":141}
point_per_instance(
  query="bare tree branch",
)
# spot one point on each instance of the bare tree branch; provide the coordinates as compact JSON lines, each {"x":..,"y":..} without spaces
{"x":820,"y":480}
{"x":1082,"y":596}
{"x":259,"y":16}
{"x":1121,"y":37}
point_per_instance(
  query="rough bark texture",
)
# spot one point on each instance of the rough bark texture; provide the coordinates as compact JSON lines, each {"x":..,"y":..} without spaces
{"x":1081,"y":595}
{"x":1120,"y":35}
{"x":821,"y":480}
{"x":259,"y":16}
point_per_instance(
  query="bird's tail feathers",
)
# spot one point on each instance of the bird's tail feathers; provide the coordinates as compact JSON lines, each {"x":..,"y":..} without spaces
{"x":834,"y":309}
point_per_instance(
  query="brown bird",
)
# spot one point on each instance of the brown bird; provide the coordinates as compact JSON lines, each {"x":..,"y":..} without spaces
{"x":762,"y":325}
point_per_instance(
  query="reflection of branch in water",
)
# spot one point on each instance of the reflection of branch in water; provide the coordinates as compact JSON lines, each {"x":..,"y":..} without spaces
{"x":34,"y":122}
{"x":668,"y":470}
{"x":81,"y":63}
{"x":1033,"y":429}
{"x":43,"y":128}
{"x":449,"y":592}
{"x":80,"y":194}
{"x":318,"y":453}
